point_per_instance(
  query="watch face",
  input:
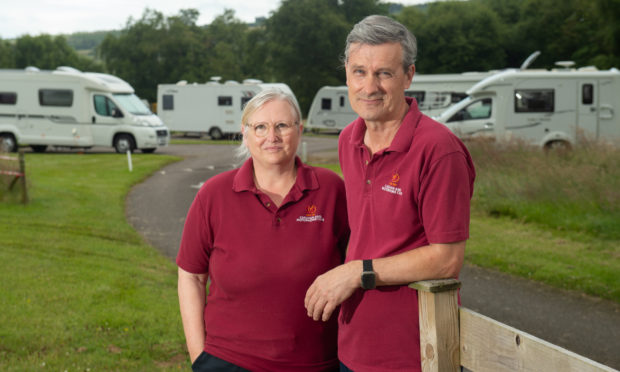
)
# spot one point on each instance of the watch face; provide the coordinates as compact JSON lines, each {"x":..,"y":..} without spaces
{"x":368,"y":280}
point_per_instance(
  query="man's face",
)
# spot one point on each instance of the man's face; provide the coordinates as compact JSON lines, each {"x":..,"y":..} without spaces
{"x":377,"y":82}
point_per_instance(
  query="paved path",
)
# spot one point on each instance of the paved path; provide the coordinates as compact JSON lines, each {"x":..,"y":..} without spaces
{"x":585,"y":325}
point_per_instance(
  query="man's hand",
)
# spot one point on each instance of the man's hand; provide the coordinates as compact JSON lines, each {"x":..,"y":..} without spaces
{"x":331,"y":289}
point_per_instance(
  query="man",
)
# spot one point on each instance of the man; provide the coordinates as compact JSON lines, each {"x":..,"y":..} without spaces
{"x":409,"y":182}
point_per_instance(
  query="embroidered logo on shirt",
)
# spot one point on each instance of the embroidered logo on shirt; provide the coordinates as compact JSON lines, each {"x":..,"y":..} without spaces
{"x":392,"y":186}
{"x":311,"y":215}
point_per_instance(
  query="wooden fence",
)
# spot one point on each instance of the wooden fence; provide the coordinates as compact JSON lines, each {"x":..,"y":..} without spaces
{"x":13,"y":172}
{"x":453,"y":337}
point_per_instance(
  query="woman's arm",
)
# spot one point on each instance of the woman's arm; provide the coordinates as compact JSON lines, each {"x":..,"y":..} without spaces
{"x":192,"y":300}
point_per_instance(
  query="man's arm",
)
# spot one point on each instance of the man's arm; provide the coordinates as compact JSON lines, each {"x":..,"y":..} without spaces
{"x":192,"y":300}
{"x":434,"y":261}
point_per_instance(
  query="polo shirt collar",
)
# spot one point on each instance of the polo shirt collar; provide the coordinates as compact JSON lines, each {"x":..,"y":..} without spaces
{"x":404,"y":136}
{"x":306,"y":178}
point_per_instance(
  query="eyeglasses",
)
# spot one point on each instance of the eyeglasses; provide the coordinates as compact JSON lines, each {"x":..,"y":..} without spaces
{"x":262,"y":129}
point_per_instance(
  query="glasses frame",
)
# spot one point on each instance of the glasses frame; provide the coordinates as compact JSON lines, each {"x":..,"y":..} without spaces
{"x":278,"y":131}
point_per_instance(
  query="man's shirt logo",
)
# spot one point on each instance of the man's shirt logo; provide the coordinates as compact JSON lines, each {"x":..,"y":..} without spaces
{"x":311,"y":215}
{"x":392,"y":186}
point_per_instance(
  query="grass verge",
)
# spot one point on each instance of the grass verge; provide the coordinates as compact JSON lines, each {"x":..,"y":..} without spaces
{"x":541,"y":242}
{"x":80,"y":288}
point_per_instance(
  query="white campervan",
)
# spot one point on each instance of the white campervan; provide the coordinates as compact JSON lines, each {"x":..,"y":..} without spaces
{"x":70,"y":108}
{"x":212,"y":108}
{"x":545,"y":108}
{"x":434,"y":93}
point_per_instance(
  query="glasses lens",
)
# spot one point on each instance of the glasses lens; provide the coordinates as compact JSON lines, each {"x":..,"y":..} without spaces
{"x":261,"y":129}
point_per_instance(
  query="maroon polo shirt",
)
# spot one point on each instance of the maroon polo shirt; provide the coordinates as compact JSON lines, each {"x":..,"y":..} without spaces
{"x":415,"y":192}
{"x":261,"y":259}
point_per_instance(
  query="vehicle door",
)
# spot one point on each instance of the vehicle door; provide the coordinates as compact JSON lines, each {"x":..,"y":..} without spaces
{"x":608,"y":125}
{"x":474,"y":120}
{"x":105,"y":118}
{"x":587,"y":106}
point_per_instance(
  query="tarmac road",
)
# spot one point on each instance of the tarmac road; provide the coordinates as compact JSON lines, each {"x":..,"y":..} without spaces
{"x":585,"y":325}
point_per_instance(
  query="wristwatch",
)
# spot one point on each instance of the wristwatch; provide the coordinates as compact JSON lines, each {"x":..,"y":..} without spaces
{"x":368,"y":275}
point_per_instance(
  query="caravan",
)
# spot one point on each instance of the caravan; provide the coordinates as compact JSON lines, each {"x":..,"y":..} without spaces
{"x":545,"y":108}
{"x":70,"y":108}
{"x":331,"y":109}
{"x":212,"y":108}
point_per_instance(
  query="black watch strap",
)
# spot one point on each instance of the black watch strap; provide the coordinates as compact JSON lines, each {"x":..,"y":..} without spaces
{"x":368,"y":275}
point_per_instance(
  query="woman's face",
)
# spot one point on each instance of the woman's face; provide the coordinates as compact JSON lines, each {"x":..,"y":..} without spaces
{"x":272,"y":136}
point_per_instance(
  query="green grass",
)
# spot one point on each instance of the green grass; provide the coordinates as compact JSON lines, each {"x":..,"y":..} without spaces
{"x":80,"y":288}
{"x":554,"y":218}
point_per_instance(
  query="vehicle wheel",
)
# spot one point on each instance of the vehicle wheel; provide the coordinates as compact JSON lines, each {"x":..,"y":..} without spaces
{"x":8,"y":143}
{"x":558,"y":146}
{"x":124,"y":142}
{"x":38,"y":148}
{"x":148,"y":151}
{"x":216,"y":133}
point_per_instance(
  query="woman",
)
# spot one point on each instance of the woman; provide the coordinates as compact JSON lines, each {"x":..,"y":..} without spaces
{"x":261,"y":234}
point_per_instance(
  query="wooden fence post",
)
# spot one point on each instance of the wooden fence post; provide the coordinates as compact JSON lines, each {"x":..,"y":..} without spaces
{"x":439,"y":324}
{"x":22,"y":170}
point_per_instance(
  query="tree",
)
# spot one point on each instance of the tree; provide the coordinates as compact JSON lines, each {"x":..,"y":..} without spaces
{"x":226,"y":39}
{"x":156,"y":49}
{"x":306,"y":39}
{"x":48,"y":52}
{"x":7,"y":54}
{"x":455,"y":37}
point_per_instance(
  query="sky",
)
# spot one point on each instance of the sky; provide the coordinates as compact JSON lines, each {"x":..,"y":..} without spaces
{"x":35,"y":17}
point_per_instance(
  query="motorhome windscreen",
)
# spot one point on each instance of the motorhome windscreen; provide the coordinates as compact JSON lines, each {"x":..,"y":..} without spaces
{"x":130,"y":102}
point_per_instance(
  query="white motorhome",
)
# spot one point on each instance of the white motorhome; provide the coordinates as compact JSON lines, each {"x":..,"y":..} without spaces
{"x":70,"y":108}
{"x":212,"y":108}
{"x":545,"y":108}
{"x":434,"y":93}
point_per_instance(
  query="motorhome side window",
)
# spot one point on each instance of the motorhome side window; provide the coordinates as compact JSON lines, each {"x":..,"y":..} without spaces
{"x":8,"y":98}
{"x":341,"y":101}
{"x":103,"y":105}
{"x":457,"y":97}
{"x":326,"y":104}
{"x":477,"y":110}
{"x":587,"y":94}
{"x":244,"y":100}
{"x":224,"y":101}
{"x":534,"y":100}
{"x":417,"y":94}
{"x":56,"y":97}
{"x":167,"y":101}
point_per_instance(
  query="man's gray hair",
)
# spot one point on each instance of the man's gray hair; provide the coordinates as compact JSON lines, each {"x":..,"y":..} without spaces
{"x":377,"y":30}
{"x":258,"y":101}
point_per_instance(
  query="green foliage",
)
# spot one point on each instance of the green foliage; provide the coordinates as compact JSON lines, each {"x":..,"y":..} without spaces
{"x":454,"y":37}
{"x":306,"y":40}
{"x":80,"y":288}
{"x":48,"y":52}
{"x":575,"y":191}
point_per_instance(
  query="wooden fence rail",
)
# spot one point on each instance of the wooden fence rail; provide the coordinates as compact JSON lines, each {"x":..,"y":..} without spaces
{"x":14,"y":169}
{"x":453,"y":337}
